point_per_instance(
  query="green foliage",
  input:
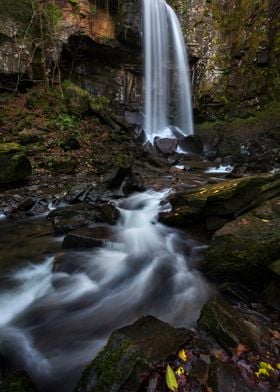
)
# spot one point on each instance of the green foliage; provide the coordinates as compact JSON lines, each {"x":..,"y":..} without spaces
{"x":74,"y":2}
{"x":67,"y":122}
{"x":99,"y":103}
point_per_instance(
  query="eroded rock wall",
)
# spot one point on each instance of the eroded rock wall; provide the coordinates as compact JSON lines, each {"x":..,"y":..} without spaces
{"x":234,"y":50}
{"x":235,"y":53}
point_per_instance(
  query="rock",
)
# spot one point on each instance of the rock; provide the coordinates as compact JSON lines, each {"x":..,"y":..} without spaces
{"x":126,"y":180}
{"x":224,"y":377}
{"x":166,"y":146}
{"x":222,"y":201}
{"x":130,"y":351}
{"x":63,"y":262}
{"x":14,"y":164}
{"x":271,"y":295}
{"x":192,"y":144}
{"x":227,"y":325}
{"x":275,"y":266}
{"x":248,"y":245}
{"x":65,"y":219}
{"x":17,"y":382}
{"x":87,"y":237}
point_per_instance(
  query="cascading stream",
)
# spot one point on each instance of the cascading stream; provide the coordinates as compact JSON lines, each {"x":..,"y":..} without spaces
{"x":53,"y":323}
{"x":167,"y":82}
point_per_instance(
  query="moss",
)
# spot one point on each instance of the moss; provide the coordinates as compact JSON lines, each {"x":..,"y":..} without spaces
{"x":76,"y":98}
{"x":10,"y":148}
{"x":104,"y":368}
{"x":17,"y":382}
{"x":275,"y":267}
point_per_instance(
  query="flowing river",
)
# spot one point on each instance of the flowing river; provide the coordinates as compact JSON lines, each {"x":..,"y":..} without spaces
{"x":53,"y":323}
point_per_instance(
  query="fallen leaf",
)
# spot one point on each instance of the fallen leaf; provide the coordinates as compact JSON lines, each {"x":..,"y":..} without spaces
{"x":183,"y":355}
{"x":180,"y":371}
{"x":171,"y":379}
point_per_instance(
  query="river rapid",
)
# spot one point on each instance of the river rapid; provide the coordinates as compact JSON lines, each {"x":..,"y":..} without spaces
{"x":53,"y":323}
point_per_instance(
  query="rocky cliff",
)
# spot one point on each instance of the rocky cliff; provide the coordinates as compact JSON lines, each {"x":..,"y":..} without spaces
{"x":234,"y":49}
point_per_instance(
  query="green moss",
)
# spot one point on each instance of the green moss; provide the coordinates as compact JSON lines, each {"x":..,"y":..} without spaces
{"x":18,"y":382}
{"x":105,"y":366}
{"x":275,"y":267}
{"x":10,"y":148}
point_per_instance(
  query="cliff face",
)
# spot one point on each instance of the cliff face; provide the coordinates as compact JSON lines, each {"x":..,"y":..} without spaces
{"x":234,"y":49}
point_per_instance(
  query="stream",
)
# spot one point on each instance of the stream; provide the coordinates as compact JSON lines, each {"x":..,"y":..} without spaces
{"x":53,"y":323}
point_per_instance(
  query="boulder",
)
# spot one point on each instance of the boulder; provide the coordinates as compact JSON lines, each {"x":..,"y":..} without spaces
{"x":131,"y":351}
{"x":228,"y":326}
{"x":14,"y":164}
{"x":218,"y":203}
{"x":65,"y":219}
{"x":248,"y":245}
{"x":166,"y":146}
{"x":191,"y":143}
{"x":87,"y":237}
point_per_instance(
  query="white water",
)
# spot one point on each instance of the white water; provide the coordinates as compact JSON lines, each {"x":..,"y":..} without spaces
{"x":220,"y":169}
{"x":166,"y":72}
{"x":54,"y":323}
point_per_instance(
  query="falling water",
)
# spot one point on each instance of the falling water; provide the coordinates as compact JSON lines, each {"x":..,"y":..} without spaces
{"x":165,"y":59}
{"x":53,"y":323}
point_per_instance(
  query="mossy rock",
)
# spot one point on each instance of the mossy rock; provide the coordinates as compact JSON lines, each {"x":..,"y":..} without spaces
{"x":248,"y":245}
{"x":14,"y":164}
{"x":17,"y":382}
{"x":226,"y":325}
{"x":275,"y":267}
{"x":130,"y":351}
{"x":221,"y":202}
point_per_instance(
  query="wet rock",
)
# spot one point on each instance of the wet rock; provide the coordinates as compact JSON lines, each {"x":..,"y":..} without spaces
{"x":129,"y":352}
{"x":166,"y":146}
{"x":224,"y":377}
{"x":14,"y":164}
{"x":126,"y":180}
{"x":87,"y":237}
{"x":63,"y":262}
{"x":191,"y":143}
{"x":224,"y":201}
{"x":65,"y":219}
{"x":228,"y":326}
{"x":248,"y":245}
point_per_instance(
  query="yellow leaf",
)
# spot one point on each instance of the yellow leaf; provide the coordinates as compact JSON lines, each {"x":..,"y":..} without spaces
{"x":266,"y":366}
{"x":278,"y":366}
{"x":180,"y":371}
{"x":183,"y":355}
{"x":171,"y":379}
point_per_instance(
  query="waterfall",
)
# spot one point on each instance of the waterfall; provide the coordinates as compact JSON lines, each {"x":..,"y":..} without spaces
{"x":166,"y":72}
